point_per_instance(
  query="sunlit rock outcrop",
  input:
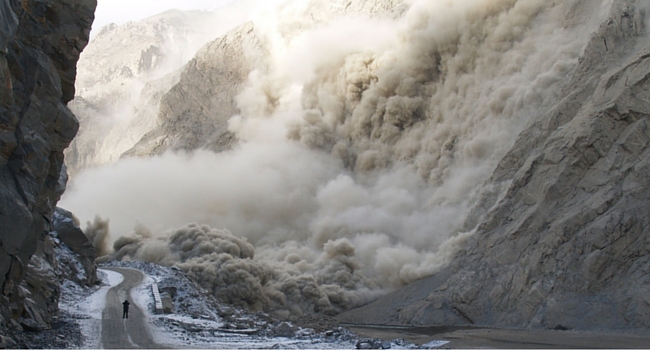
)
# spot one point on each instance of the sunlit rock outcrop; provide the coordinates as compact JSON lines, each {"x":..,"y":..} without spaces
{"x":123,"y":74}
{"x":195,"y":112}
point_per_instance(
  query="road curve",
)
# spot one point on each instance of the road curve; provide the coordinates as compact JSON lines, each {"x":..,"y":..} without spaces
{"x":119,"y":333}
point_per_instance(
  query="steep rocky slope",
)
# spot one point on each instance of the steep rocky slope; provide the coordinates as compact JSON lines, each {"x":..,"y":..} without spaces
{"x":567,"y":246}
{"x":41,"y":42}
{"x":122,"y":76}
{"x":188,"y":110}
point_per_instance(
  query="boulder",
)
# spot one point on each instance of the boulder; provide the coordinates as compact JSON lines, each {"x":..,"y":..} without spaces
{"x":171,"y":290}
{"x":372,"y":344}
{"x":31,"y":325}
{"x":68,"y":231}
{"x":285,"y":329}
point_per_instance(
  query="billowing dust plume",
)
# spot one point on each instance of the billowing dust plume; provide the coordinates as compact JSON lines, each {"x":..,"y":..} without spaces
{"x":97,"y":233}
{"x":363,"y":149}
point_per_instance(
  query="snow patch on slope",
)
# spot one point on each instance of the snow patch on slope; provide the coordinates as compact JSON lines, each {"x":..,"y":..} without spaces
{"x":86,"y":305}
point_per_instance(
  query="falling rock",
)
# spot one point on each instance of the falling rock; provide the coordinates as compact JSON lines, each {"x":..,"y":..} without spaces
{"x":171,"y":290}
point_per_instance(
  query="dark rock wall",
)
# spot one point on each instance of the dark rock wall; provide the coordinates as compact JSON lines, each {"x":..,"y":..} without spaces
{"x":40,"y":45}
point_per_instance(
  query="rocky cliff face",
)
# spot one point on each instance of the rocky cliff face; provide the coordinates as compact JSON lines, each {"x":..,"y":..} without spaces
{"x":189,"y":108}
{"x":68,"y":236}
{"x":567,"y":246}
{"x":195,"y":112}
{"x":41,"y":42}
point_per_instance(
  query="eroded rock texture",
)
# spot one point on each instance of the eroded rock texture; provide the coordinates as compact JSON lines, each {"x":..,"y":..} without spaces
{"x":40,"y":44}
{"x":195,"y":112}
{"x":567,"y":246}
{"x":122,"y":75}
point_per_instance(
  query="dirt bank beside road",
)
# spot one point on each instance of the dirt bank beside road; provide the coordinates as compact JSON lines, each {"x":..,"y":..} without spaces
{"x":506,"y":338}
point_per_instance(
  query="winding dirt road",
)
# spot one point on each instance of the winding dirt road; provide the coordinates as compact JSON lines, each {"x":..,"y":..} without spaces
{"x":119,"y":333}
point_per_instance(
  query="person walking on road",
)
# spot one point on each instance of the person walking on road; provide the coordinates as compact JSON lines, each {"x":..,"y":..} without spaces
{"x":126,"y":304}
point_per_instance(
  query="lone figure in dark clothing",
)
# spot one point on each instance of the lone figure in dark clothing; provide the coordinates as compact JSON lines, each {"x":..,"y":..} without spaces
{"x":126,"y":304}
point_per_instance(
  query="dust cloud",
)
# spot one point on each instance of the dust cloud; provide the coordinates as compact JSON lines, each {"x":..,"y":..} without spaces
{"x":363,"y":149}
{"x":97,"y":233}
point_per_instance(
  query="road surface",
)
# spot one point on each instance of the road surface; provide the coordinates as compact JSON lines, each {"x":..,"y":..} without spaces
{"x":119,"y":333}
{"x":490,"y":338}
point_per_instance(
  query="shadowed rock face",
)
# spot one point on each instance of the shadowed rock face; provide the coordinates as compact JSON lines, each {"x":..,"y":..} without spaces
{"x":41,"y":42}
{"x":67,"y":230}
{"x":567,"y":246}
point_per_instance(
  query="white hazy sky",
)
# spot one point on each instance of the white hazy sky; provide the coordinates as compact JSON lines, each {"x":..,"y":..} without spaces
{"x":122,"y":11}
